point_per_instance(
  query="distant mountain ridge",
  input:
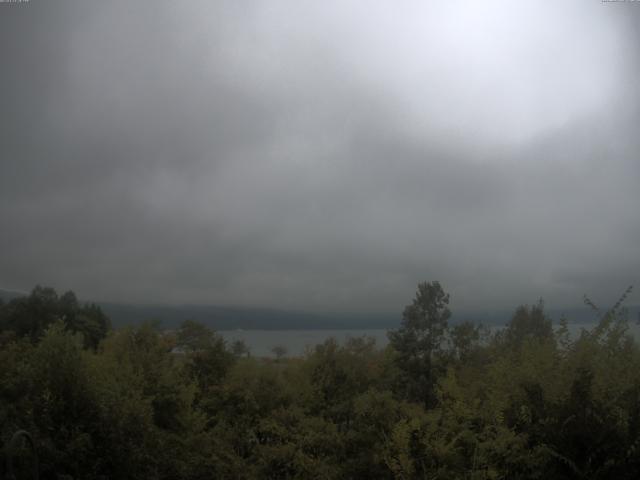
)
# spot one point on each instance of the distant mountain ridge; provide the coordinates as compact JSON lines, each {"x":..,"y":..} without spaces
{"x":7,"y":294}
{"x":232,"y":318}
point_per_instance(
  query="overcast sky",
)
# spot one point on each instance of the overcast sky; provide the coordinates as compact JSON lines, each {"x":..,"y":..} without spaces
{"x":321,"y":155}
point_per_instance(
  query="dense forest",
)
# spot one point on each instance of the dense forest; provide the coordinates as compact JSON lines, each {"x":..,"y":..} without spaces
{"x":441,"y":401}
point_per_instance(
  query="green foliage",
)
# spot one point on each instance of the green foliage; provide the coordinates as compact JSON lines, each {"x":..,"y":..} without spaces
{"x":140,"y":403}
{"x":528,"y":323}
{"x":465,"y":340}
{"x":419,"y":341}
{"x":240,"y":348}
{"x":30,"y":316}
{"x":206,"y":354}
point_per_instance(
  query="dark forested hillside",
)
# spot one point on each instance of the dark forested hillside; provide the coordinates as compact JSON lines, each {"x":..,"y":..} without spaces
{"x":441,"y":401}
{"x":229,"y":318}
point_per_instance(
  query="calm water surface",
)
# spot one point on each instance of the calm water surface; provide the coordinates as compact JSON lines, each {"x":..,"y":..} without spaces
{"x":261,"y":342}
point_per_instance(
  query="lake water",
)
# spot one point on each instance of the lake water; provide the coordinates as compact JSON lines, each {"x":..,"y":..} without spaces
{"x":261,"y":342}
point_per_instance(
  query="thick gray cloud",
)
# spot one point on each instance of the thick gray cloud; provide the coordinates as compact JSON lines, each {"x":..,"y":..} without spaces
{"x":322,"y":156}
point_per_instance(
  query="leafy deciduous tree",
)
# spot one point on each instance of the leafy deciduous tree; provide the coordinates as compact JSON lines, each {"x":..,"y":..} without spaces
{"x":420,"y":339}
